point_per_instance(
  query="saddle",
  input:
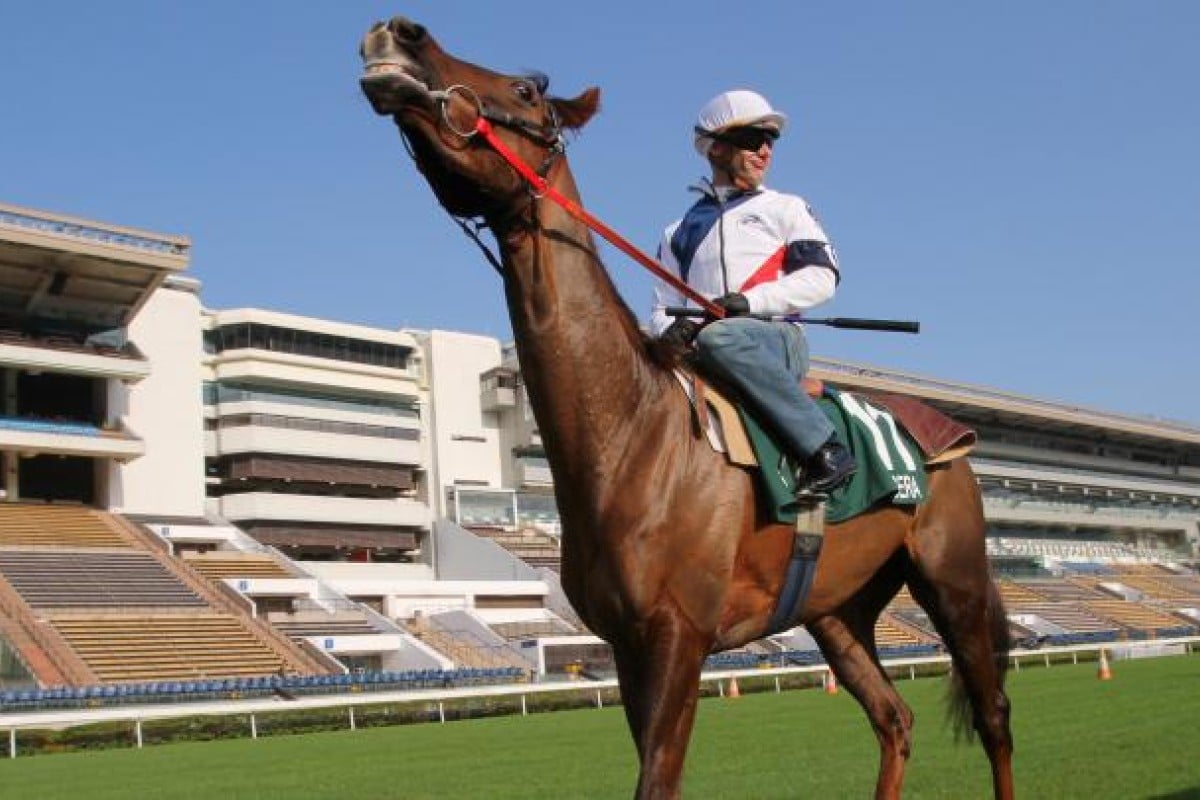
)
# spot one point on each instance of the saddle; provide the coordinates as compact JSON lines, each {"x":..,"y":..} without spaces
{"x":896,"y":440}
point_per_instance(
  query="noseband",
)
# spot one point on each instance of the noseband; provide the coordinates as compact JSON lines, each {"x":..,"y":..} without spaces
{"x":549,"y":136}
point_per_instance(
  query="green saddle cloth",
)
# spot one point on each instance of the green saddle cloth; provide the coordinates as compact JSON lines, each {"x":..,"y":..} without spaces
{"x":891,"y":468}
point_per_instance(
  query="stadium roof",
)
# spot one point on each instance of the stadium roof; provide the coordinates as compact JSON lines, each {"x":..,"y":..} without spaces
{"x":77,"y":272}
{"x":1009,"y":408}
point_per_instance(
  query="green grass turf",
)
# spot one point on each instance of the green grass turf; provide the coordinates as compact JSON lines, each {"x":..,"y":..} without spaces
{"x":1133,"y":737}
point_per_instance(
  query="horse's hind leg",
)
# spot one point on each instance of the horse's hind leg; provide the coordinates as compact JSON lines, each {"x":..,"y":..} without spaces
{"x":849,"y":647}
{"x":949,"y":578}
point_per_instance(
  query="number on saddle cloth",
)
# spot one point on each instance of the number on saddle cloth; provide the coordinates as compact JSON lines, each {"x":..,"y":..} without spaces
{"x":890,"y":465}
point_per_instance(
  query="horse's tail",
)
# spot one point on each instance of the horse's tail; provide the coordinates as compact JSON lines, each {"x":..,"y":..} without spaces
{"x":962,"y":711}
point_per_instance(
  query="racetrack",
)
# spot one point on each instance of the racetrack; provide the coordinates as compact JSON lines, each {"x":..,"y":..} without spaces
{"x":1133,"y":737}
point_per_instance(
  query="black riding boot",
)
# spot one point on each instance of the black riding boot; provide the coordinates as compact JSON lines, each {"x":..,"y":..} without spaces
{"x":827,"y":469}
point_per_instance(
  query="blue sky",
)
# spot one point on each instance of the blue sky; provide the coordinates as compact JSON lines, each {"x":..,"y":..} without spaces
{"x":1021,"y":177}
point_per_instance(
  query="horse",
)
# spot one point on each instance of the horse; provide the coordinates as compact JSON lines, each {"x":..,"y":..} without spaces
{"x":666,"y":554}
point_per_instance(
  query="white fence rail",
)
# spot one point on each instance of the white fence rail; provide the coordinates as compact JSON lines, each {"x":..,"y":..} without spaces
{"x":136,"y":715}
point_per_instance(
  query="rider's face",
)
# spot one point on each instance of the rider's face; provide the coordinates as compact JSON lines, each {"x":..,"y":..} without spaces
{"x":744,"y":164}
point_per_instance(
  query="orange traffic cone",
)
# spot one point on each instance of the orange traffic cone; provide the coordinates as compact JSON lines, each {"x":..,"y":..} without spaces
{"x":830,"y":681}
{"x":1104,"y":672}
{"x":734,"y":691}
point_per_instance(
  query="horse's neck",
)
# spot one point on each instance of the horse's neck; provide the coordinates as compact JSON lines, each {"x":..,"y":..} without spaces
{"x":582,"y":357}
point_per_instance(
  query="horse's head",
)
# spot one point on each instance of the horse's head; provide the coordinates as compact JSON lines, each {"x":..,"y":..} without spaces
{"x":436,"y":100}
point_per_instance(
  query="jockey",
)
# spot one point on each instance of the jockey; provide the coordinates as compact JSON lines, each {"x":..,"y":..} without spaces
{"x":754,"y":251}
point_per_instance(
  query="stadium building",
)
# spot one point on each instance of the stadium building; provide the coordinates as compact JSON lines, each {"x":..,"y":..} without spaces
{"x":200,"y":495}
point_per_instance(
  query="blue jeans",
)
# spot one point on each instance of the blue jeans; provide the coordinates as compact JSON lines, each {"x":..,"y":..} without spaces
{"x":765,"y":361}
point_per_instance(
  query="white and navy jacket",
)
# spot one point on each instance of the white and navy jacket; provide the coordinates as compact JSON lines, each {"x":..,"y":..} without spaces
{"x":776,"y":254}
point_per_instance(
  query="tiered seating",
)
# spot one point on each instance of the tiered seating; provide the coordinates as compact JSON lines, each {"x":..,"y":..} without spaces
{"x":1076,"y":550}
{"x":1148,"y":570}
{"x":1187,"y":585}
{"x":1138,"y":618}
{"x":1156,"y":588}
{"x":219,"y":565}
{"x":903,"y":601}
{"x":1012,"y":593}
{"x":166,"y":647}
{"x":1055,"y":589}
{"x":28,"y":525}
{"x":1090,"y":583}
{"x":328,"y":626}
{"x":914,"y":617}
{"x":515,"y":631}
{"x":531,"y":546}
{"x":465,"y":651}
{"x":1087,"y":568}
{"x":894,"y":637}
{"x":62,"y":578}
{"x":1072,"y":618}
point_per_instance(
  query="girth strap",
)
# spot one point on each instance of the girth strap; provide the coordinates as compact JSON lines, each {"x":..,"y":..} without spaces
{"x":801,"y":569}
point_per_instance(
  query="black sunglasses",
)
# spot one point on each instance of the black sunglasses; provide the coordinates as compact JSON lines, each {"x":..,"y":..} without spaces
{"x":748,"y":138}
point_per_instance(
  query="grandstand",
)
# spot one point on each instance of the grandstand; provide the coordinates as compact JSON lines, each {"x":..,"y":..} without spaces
{"x":119,"y":610}
{"x":244,"y":495}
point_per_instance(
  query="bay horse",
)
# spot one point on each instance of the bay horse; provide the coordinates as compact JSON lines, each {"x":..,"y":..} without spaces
{"x":666,"y":554}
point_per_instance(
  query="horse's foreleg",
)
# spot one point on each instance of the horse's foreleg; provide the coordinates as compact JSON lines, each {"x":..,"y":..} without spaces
{"x":659,"y":678}
{"x":849,"y":647}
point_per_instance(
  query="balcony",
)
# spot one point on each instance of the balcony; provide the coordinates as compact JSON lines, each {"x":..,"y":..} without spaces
{"x":333,"y":510}
{"x":50,"y":437}
{"x":313,"y":444}
{"x":533,"y":472}
{"x":33,"y":356}
{"x":498,"y":389}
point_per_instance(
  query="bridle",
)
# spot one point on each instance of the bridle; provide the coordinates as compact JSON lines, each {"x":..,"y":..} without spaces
{"x":549,"y":136}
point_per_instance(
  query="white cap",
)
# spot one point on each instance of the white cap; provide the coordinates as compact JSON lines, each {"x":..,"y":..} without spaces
{"x":736,"y":109}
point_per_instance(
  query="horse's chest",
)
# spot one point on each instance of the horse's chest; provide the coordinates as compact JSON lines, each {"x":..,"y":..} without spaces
{"x":594,"y":588}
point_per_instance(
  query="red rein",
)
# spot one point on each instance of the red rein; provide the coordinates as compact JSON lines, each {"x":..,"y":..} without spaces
{"x":539,"y":184}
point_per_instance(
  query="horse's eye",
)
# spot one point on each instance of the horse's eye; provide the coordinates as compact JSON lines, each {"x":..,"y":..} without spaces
{"x":525,"y":91}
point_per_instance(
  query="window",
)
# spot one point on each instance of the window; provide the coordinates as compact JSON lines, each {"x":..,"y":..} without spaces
{"x":306,"y":343}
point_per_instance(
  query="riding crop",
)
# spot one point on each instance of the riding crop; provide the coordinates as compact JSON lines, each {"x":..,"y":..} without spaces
{"x":854,"y":323}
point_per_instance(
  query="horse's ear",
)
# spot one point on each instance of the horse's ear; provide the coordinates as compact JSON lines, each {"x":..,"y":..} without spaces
{"x":575,"y":113}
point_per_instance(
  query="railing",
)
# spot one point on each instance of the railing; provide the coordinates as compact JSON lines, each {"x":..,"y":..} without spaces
{"x":40,"y":425}
{"x":596,"y":690}
{"x":335,"y":600}
{"x":78,"y":229}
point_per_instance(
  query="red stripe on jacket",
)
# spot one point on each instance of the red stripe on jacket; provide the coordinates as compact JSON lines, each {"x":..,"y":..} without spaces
{"x":769,"y":271}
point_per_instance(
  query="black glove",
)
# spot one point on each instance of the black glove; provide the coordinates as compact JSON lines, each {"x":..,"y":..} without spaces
{"x":735,"y":304}
{"x":680,"y":333}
